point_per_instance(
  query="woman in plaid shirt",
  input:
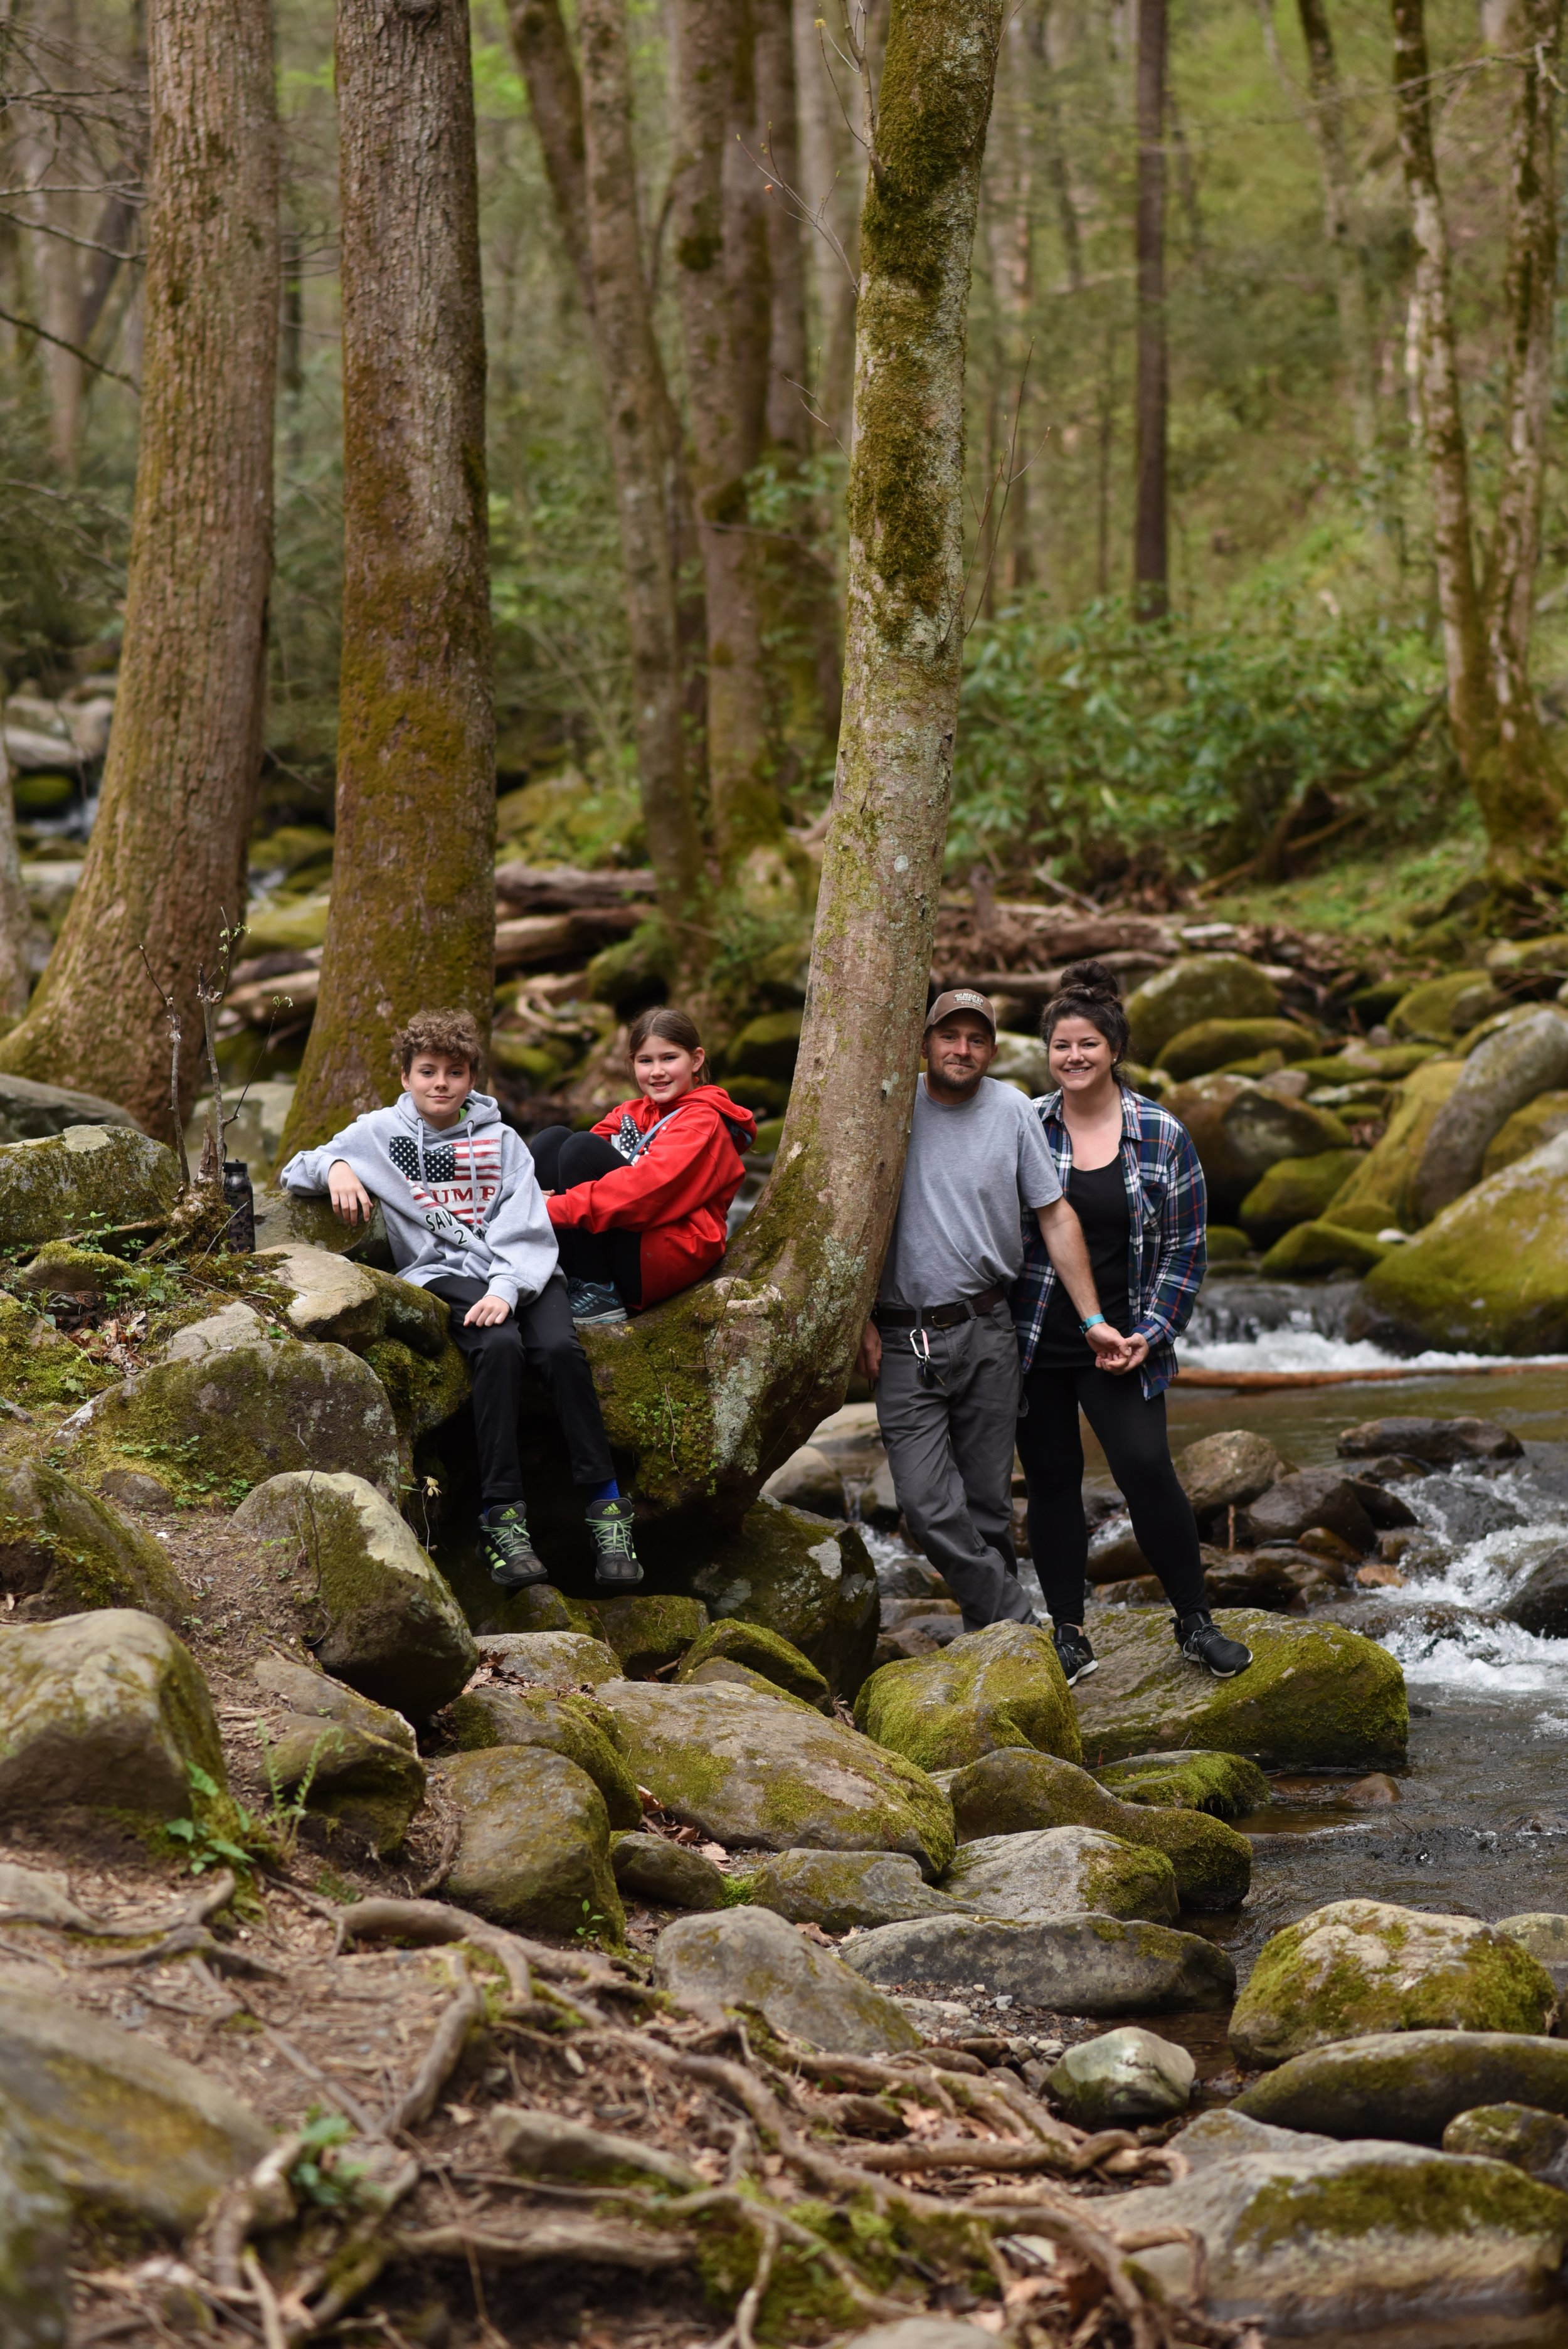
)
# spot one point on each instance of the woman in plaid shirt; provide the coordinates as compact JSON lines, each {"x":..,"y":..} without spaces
{"x":1133,"y":1176}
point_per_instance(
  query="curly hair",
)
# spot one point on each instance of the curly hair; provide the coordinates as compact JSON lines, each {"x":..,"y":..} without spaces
{"x":1091,"y":991}
{"x":453,"y":1034}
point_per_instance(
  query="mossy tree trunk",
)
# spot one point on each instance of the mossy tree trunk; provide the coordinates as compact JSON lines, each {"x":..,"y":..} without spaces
{"x":1355,"y":339}
{"x":1151,"y":524}
{"x":167,"y":856}
{"x":412,"y":920}
{"x":710,"y":1391}
{"x":15,"y":915}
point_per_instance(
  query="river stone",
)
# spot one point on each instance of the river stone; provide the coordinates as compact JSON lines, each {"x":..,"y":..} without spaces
{"x":1316,"y":1496}
{"x":29,"y":1111}
{"x":763,"y":1652}
{"x":1061,"y":1872}
{"x":1262,"y":1127}
{"x":1226,"y":1471}
{"x":1314,"y":1697}
{"x":360,"y":1758}
{"x":1540,"y":1603}
{"x":563,"y":1661}
{"x":809,"y":1480}
{"x":1196,"y":988}
{"x":1335,"y":2241}
{"x":1077,"y":1965}
{"x":38,"y":1366}
{"x":1013,"y":1793}
{"x":652,"y":1867}
{"x":650,"y":1632}
{"x":587,"y":1733}
{"x":1296,"y":1191}
{"x":64,"y":1551}
{"x":1441,"y":1443}
{"x":1408,"y":2083}
{"x":1440,"y":1009}
{"x":533,"y":1849}
{"x":1545,"y":1934}
{"x":760,"y":1773}
{"x":846,"y":1891}
{"x":1321,"y":1246}
{"x":1521,"y":2133}
{"x":1502,"y":1074}
{"x":34,"y":2246}
{"x":1002,"y":1686}
{"x":1201,"y":1106}
{"x":750,"y":1958}
{"x":89,"y":1177}
{"x":1123,"y":2076}
{"x":1378,"y":1191}
{"x":102,"y":1712}
{"x":1223,"y":1785}
{"x":380,"y":1615}
{"x":1211,"y":1044}
{"x":1359,"y":1966}
{"x":1490,"y":1276}
{"x":120,"y":2125}
{"x":1539,"y":1121}
{"x":808,"y":1578}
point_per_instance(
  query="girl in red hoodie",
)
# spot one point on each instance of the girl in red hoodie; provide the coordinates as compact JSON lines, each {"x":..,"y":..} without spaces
{"x":639,"y":1204}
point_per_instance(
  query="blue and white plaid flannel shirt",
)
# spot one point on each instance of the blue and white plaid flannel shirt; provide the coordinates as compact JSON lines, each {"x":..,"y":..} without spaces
{"x":1166,"y":1253}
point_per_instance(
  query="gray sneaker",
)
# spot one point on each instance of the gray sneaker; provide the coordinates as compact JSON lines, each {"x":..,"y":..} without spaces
{"x":615,"y":1562}
{"x":594,"y":1302}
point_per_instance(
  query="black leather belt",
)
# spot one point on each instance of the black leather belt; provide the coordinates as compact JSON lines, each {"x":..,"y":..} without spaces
{"x":937,"y":1317}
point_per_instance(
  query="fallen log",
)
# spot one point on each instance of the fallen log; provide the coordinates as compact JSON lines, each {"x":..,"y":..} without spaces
{"x":565,"y":888}
{"x":1280,"y":1381}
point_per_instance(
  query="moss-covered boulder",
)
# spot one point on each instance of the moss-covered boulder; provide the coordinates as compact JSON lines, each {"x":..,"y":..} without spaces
{"x":586,"y":1732}
{"x":762,"y":1774}
{"x":1544,"y":1933}
{"x":1076,"y":1965}
{"x":1440,"y":1009}
{"x":1408,"y":2083}
{"x":106,"y":1711}
{"x":806,"y":1578}
{"x":1504,"y":1072}
{"x":1225,"y":1471}
{"x":561,"y":1660}
{"x":1262,"y":1127}
{"x":1061,"y":1872}
{"x":1002,"y":1686}
{"x":671,"y":1875}
{"x":767,"y":1046}
{"x":329,"y":1297}
{"x":534,"y":1847}
{"x":375,"y":1609}
{"x":1311,"y":1251}
{"x":1523,"y":2135}
{"x":751,"y":1960}
{"x":34,"y":2246}
{"x":1123,"y":2076}
{"x":284,"y":1218}
{"x":423,"y":1390}
{"x":1201,"y":1106}
{"x":1541,"y":1120}
{"x":845,"y":1891}
{"x":1380,"y":1191}
{"x":91,"y":1178}
{"x":764,"y":1652}
{"x":1296,"y":1191}
{"x":1313,"y":1696}
{"x":1197,"y":988}
{"x":1226,"y":1786}
{"x":40,"y":1367}
{"x":1490,"y":1276}
{"x":651,"y":1631}
{"x":1211,"y":1044}
{"x":1013,"y":1793}
{"x":357,"y":1762}
{"x":63,"y":1551}
{"x":1358,"y":1966}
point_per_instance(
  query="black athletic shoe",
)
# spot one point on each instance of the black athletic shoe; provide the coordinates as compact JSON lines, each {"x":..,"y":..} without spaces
{"x":1074,"y":1654}
{"x":594,"y":1302}
{"x":616,"y":1567}
{"x":1202,"y":1642}
{"x":514,"y":1563}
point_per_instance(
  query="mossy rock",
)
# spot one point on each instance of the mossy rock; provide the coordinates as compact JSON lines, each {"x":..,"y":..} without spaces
{"x":671,"y":1875}
{"x":767,"y":1047}
{"x":1409,"y":2085}
{"x":533,"y":1849}
{"x":565,"y":1662}
{"x":1201,"y":1105}
{"x":1539,"y":1121}
{"x":1262,"y":1127}
{"x":1529,"y":2139}
{"x":1490,"y":1276}
{"x":1378,"y":1191}
{"x":751,"y":1960}
{"x":1061,"y":1872}
{"x":999,"y":1687}
{"x":91,"y":1178}
{"x":1313,"y":1696}
{"x":1015,"y":1793}
{"x":1360,"y":1966}
{"x":761,"y":1651}
{"x":808,"y":1578}
{"x":1074,"y":1965}
{"x":587,"y":1733}
{"x":1504,"y":1073}
{"x":61,"y":1268}
{"x":106,"y":1711}
{"x":1226,"y":1786}
{"x":721,"y":1670}
{"x":844,"y":1892}
{"x":1319,"y":1247}
{"x":1227,"y":1244}
{"x":38,"y":1367}
{"x":1440,"y":1009}
{"x":651,"y":1631}
{"x":1211,"y":1044}
{"x":34,"y":2246}
{"x":30,"y":1111}
{"x":357,"y":1761}
{"x":1197,"y":988}
{"x":305,"y":1218}
{"x":1297,"y":1191}
{"x":423,"y":1391}
{"x":64,"y":1551}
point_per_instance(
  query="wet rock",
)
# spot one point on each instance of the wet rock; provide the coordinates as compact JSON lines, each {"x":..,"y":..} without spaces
{"x":1225,"y":1786}
{"x":758,"y":1772}
{"x":1296,"y":1191}
{"x":379,"y":1614}
{"x":1211,"y":1044}
{"x":121,"y":2127}
{"x":360,"y":1759}
{"x":1529,"y":2139}
{"x":1014,"y":1793}
{"x":1061,"y":1872}
{"x":1077,"y":1965}
{"x":64,"y":1551}
{"x":102,"y":1712}
{"x":846,"y":1890}
{"x":650,"y":1633}
{"x":1408,"y":2083}
{"x":1226,"y":1471}
{"x":1502,"y":1074}
{"x":1470,"y":1511}
{"x":1319,"y":1496}
{"x":1439,"y":1442}
{"x":1196,"y":988}
{"x":89,"y":1177}
{"x":750,"y":1958}
{"x":1489,"y":1276}
{"x":1360,"y":1966}
{"x":671,"y":1875}
{"x":1378,"y":1191}
{"x":34,"y":2246}
{"x":809,"y":1480}
{"x":563,"y":1661}
{"x":763,"y":1652}
{"x":587,"y":1733}
{"x":30,"y":1111}
{"x":1439,"y":1010}
{"x":1539,"y":1121}
{"x":1540,"y":1605}
{"x":999,"y":1687}
{"x":1284,"y":1579}
{"x":1127,"y":2075}
{"x":806,"y":1578}
{"x":534,"y":1847}
{"x":1314,"y":1696}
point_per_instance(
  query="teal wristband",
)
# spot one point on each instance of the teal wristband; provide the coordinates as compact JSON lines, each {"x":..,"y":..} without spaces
{"x":1087,"y":1324}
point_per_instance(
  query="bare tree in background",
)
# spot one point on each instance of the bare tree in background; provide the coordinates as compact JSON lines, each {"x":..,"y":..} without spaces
{"x":16,"y":914}
{"x":1340,"y":220}
{"x":1150,"y":528}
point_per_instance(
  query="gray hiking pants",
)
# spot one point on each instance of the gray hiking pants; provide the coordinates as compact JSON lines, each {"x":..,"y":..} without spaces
{"x":950,"y":1449}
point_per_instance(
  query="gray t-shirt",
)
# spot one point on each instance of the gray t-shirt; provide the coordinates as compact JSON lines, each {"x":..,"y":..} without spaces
{"x":971,"y":1171}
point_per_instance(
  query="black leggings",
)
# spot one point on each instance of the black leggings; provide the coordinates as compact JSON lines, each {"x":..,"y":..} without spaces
{"x":1132,"y":1433}
{"x":561,"y":1160}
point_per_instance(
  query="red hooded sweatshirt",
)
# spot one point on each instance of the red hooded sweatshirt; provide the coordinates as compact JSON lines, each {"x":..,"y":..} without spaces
{"x":674,"y":1190}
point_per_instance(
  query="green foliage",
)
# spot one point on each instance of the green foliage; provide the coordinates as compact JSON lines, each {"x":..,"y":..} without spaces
{"x":201,"y":1838}
{"x":321,"y":2173}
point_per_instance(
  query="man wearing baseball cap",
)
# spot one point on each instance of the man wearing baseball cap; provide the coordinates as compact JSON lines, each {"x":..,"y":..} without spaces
{"x":940,"y":1344}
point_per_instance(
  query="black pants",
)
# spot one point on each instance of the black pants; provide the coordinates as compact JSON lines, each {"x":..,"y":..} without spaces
{"x":541,"y":1336}
{"x":1132,"y":1433}
{"x":563,"y":1159}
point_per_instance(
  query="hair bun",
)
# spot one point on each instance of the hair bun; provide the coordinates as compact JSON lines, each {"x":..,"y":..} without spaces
{"x":1095,"y":979}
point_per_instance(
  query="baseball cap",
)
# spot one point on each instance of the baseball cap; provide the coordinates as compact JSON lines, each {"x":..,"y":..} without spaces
{"x":962,"y":998}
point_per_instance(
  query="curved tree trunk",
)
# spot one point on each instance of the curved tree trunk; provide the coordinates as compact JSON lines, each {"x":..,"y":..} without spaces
{"x":412,"y":920}
{"x":1150,"y":539}
{"x":167,"y":857}
{"x":1338,"y":221}
{"x":712,"y":1390}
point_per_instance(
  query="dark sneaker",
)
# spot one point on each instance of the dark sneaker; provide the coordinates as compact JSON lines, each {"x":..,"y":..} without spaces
{"x":514,"y":1563}
{"x":1202,"y":1642}
{"x":594,"y":1301}
{"x":1074,"y":1654}
{"x":616,"y":1567}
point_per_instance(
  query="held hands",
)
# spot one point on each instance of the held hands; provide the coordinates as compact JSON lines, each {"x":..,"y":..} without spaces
{"x":1113,"y":1352}
{"x":351,"y":1202}
{"x":485,"y":1313}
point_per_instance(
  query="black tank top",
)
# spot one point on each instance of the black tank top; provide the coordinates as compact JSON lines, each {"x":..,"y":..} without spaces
{"x":1097,"y":1196}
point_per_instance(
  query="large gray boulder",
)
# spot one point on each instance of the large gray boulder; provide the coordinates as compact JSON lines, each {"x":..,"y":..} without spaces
{"x":1123,"y":2076}
{"x":750,"y":1958}
{"x":86,"y":1178}
{"x":1264,"y":1127}
{"x":586,"y":1732}
{"x":1079,"y":1965}
{"x":1505,"y":1070}
{"x":561,"y":1660}
{"x":846,"y":1891}
{"x":1224,"y":1471}
{"x":358,"y":1760}
{"x":999,"y":1687}
{"x":30,"y":1111}
{"x":376,"y":1611}
{"x":64,"y":1551}
{"x":1350,"y":1506}
{"x":1061,"y":1872}
{"x":1408,"y":2083}
{"x":1197,"y":986}
{"x":102,"y":1712}
{"x":1488,"y":1275}
{"x":35,"y":2245}
{"x":533,"y":1849}
{"x":809,"y":1579}
{"x":1013,"y":1794}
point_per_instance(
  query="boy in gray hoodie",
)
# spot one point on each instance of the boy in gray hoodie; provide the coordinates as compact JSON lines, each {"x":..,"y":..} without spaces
{"x":467,"y":1220}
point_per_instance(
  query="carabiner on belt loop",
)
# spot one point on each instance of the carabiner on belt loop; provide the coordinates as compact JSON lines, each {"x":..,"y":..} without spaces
{"x":920,"y":1346}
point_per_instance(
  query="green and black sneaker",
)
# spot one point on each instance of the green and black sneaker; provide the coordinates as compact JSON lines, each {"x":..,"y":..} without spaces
{"x":514,"y":1563}
{"x":616,"y":1567}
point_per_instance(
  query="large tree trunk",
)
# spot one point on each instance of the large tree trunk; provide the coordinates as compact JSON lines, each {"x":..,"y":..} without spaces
{"x":167,"y":857}
{"x":827,"y":186}
{"x":1151,"y":535}
{"x":710,"y":1391}
{"x":1338,"y":220}
{"x":1009,"y":231}
{"x":412,"y":920}
{"x":16,"y":914}
{"x":543,"y":53}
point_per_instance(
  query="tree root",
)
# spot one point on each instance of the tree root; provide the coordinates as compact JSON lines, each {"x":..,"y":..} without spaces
{"x":462,"y":2018}
{"x":187,"y":1936}
{"x":599,"y":2239}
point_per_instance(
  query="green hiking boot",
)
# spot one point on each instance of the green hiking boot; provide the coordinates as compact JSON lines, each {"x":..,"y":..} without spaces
{"x":615,"y":1567}
{"x":514,"y":1563}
